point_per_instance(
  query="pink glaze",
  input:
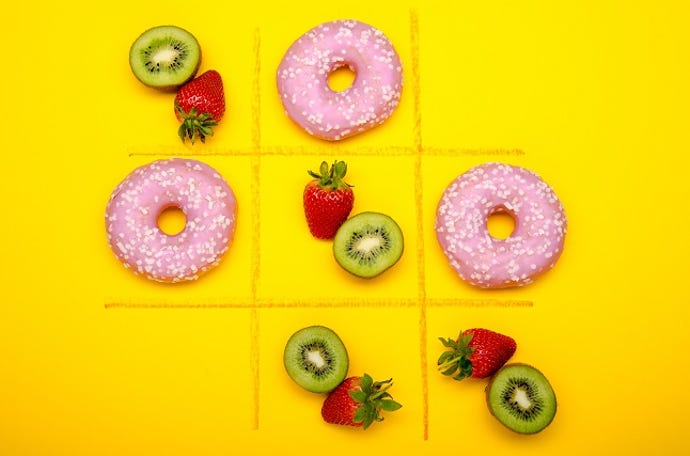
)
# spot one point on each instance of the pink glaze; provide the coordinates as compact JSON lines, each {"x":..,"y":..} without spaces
{"x":132,"y":219}
{"x":533,"y":247}
{"x":303,"y":79}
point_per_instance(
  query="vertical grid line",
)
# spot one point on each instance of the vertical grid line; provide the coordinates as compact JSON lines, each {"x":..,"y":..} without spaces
{"x":419,"y":208}
{"x":254,"y":360}
{"x":256,"y":227}
{"x":256,"y":96}
{"x":416,"y":80}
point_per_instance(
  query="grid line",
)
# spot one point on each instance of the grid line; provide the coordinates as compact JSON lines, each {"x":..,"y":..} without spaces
{"x":267,"y":304}
{"x":255,"y":349}
{"x":419,"y":208}
{"x":320,"y":150}
{"x":254,"y":303}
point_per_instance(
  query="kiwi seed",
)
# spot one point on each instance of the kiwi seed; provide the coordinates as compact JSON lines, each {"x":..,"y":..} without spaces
{"x":368,"y":243}
{"x":316,"y":359}
{"x":521,"y":398}
{"x":165,"y":57}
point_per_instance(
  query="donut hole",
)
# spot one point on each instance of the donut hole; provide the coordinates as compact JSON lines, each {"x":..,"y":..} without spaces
{"x":172,"y":220}
{"x":341,"y":78}
{"x":500,"y":224}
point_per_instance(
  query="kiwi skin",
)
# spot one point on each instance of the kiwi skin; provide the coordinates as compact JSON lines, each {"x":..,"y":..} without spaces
{"x":170,"y":84}
{"x":547,"y":392}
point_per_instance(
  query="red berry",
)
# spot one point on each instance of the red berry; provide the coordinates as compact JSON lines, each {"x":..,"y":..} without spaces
{"x":327,"y":200}
{"x":476,"y":353}
{"x":199,"y":105}
{"x":358,"y":401}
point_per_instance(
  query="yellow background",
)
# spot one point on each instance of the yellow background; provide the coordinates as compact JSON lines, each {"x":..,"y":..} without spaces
{"x":591,"y":95}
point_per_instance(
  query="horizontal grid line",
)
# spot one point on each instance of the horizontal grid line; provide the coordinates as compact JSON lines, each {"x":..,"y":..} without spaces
{"x":318,"y":150}
{"x":470,"y":302}
{"x":249,"y":303}
{"x":479,"y":151}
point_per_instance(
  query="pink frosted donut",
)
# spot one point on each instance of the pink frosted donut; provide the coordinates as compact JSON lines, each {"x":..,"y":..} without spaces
{"x":303,"y":79}
{"x":533,"y":247}
{"x":131,"y":219}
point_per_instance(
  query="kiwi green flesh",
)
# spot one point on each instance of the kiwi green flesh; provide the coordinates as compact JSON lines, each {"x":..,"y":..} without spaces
{"x":316,"y":359}
{"x":165,"y":57}
{"x":368,"y":243}
{"x":521,"y":398}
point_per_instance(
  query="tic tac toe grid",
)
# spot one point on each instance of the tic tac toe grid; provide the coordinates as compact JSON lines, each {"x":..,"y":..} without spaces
{"x":254,"y":302}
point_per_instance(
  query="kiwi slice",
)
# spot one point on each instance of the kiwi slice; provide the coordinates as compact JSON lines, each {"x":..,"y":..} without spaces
{"x":316,"y":359}
{"x":367,"y":244}
{"x":165,"y":57}
{"x":521,"y":398}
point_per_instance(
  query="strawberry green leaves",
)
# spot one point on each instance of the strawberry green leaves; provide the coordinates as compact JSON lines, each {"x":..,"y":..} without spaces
{"x":455,"y":361}
{"x":372,"y":397}
{"x":359,"y":401}
{"x":195,"y":125}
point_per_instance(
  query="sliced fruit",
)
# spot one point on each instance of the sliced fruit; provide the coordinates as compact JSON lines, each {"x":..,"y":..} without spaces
{"x":368,"y":243}
{"x":521,"y":398}
{"x":316,"y":359}
{"x":165,"y":57}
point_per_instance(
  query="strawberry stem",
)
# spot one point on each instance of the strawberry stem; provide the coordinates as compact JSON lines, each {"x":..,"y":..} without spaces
{"x":372,"y":397}
{"x":331,"y":177}
{"x":455,"y":361}
{"x":195,"y":125}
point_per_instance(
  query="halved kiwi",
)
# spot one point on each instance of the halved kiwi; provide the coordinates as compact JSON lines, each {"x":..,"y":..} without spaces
{"x":521,"y":398}
{"x":165,"y":57}
{"x":368,"y":243}
{"x":316,"y":359}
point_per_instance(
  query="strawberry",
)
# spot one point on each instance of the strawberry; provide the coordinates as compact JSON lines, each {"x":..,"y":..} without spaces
{"x":199,"y":105}
{"x":357,"y":401}
{"x":328,"y":200}
{"x":476,"y":353}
